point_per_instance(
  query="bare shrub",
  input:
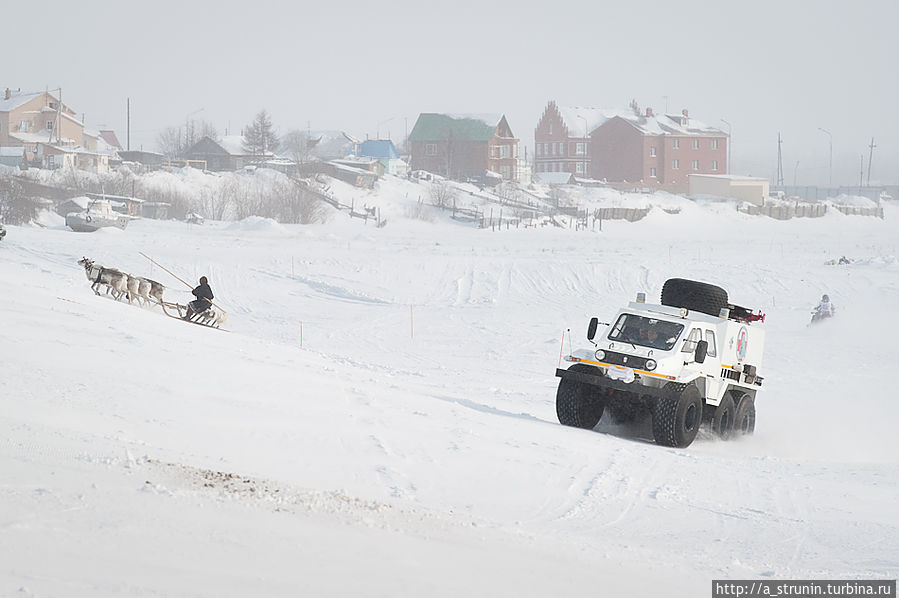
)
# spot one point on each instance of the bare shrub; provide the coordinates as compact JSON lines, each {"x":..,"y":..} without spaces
{"x":15,"y":206}
{"x":442,"y":195}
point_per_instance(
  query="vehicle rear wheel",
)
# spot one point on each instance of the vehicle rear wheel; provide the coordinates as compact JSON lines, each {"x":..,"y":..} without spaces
{"x":696,"y":296}
{"x":579,"y":405}
{"x":723,"y":418}
{"x":677,"y":416}
{"x":744,"y":416}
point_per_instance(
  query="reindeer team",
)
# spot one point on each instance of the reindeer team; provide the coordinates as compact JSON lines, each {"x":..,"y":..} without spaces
{"x":119,"y":284}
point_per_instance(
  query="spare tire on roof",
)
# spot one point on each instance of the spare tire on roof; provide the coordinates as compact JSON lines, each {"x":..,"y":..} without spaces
{"x":693,"y":295}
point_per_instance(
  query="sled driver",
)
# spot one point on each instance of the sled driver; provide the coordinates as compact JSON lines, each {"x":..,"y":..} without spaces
{"x":203,"y":301}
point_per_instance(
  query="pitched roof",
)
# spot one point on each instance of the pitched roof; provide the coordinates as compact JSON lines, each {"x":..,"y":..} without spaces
{"x":657,"y":124}
{"x":378,"y":148}
{"x":16,"y":99}
{"x":110,"y":137}
{"x":441,"y":127}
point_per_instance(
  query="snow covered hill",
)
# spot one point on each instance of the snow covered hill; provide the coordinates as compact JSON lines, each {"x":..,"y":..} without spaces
{"x":379,"y":418}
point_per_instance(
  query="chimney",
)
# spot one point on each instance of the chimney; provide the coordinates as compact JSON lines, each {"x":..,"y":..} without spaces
{"x":685,"y":113}
{"x":649,"y":112}
{"x":8,"y":94}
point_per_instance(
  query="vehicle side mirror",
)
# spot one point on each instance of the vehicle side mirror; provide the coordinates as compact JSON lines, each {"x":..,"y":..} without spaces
{"x":702,"y":349}
{"x":591,"y":328}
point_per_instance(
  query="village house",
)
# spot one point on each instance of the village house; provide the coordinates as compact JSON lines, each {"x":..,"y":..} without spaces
{"x":464,"y":146}
{"x":227,"y":153}
{"x":49,"y":133}
{"x":628,"y":146}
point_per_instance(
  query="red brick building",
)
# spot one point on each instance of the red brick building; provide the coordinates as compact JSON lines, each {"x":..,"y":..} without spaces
{"x":639,"y":147}
{"x":463,"y":146}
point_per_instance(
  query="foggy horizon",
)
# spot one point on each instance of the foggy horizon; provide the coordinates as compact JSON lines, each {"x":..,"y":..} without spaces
{"x":814,"y":78}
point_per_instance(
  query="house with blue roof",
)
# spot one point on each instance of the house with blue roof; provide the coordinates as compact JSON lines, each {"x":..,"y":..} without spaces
{"x":384,"y":152}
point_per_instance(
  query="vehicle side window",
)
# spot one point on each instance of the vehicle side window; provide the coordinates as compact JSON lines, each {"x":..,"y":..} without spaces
{"x":690,"y":343}
{"x":710,"y":339}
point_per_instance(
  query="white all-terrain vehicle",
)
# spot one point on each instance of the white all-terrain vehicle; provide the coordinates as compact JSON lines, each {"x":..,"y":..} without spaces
{"x":695,"y":358}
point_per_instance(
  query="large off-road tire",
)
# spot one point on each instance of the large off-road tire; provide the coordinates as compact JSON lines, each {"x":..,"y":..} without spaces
{"x":723,"y":418}
{"x":744,"y":415}
{"x":695,"y":296}
{"x":579,"y":405}
{"x":677,"y":416}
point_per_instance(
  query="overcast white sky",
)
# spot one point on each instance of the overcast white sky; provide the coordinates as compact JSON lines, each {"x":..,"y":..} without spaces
{"x":369,"y":67}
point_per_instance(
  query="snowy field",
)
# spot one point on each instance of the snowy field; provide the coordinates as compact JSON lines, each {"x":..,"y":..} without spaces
{"x":379,"y":418}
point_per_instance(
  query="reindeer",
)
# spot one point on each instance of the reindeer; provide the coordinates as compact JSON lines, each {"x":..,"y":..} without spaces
{"x":116,"y":281}
{"x":150,"y":289}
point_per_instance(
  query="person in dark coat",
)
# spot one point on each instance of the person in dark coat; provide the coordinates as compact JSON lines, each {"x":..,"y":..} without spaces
{"x":203,"y":301}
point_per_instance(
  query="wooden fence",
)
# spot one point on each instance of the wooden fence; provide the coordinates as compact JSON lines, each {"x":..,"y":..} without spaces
{"x":783,"y":212}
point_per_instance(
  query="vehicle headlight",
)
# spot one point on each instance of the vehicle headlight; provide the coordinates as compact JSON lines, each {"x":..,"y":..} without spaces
{"x":651,"y":364}
{"x":600,"y":354}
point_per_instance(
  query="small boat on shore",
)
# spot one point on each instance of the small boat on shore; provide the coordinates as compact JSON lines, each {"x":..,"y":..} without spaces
{"x":99,"y":214}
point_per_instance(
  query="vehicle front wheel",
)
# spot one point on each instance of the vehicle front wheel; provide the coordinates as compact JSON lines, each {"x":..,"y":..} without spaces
{"x":579,"y":405}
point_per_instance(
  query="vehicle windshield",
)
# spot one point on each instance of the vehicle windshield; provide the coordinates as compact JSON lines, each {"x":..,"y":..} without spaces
{"x":646,"y":332}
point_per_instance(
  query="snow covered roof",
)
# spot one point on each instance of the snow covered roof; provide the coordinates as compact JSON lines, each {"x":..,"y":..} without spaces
{"x":43,"y":137}
{"x":574,"y":117}
{"x":16,"y":99}
{"x":653,"y":124}
{"x":234,"y":145}
{"x":553,"y":178}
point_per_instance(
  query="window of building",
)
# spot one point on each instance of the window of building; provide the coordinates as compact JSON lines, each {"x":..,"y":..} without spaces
{"x":696,"y":144}
{"x":579,"y":168}
{"x":562,"y":148}
{"x":714,"y":144}
{"x":539,"y":149}
{"x":652,"y":151}
{"x":675,"y":143}
{"x":550,"y":128}
{"x":504,"y":151}
{"x":49,"y":125}
{"x":652,"y":172}
{"x":675,"y":164}
{"x":430,"y":149}
{"x":714,"y":164}
{"x":23,"y":126}
{"x":695,"y":165}
{"x":581,"y":149}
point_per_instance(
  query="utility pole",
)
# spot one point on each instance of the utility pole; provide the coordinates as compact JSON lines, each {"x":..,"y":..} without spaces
{"x":861,"y":173}
{"x":780,"y":162}
{"x":128,"y":127}
{"x":870,"y":159}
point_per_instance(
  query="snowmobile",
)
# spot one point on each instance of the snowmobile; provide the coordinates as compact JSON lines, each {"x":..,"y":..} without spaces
{"x":819,"y":315}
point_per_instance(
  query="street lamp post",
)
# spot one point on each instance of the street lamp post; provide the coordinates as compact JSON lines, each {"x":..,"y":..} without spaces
{"x":584,"y":172}
{"x":830,"y":167}
{"x":730,"y":145}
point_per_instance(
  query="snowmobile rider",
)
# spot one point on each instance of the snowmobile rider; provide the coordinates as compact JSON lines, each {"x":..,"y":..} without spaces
{"x":824,"y":308}
{"x":203,"y":301}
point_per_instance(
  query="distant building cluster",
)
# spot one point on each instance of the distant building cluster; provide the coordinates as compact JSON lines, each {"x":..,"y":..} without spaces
{"x":631,"y":147}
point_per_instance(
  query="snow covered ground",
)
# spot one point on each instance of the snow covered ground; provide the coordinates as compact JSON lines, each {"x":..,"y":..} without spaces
{"x":379,"y":419}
